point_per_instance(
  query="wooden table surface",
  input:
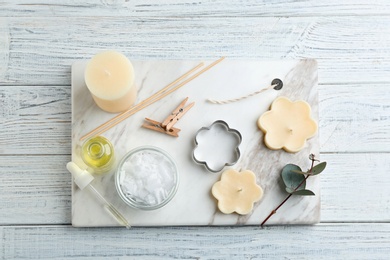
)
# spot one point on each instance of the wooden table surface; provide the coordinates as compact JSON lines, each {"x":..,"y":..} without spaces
{"x":39,"y":40}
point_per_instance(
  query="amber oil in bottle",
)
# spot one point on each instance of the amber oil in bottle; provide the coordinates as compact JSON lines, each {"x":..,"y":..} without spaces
{"x":98,"y":154}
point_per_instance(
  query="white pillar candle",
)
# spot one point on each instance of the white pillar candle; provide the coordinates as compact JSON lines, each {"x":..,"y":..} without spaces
{"x":109,"y":76}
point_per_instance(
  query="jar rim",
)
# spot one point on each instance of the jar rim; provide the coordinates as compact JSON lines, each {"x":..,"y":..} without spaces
{"x":133,"y":203}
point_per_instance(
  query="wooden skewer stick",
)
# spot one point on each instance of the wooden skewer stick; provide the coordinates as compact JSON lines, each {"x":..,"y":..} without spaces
{"x":117,"y":117}
{"x":153,"y":99}
{"x":157,"y":96}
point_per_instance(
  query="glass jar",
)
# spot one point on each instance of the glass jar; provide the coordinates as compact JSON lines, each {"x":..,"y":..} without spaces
{"x":98,"y":154}
{"x":147,"y":178}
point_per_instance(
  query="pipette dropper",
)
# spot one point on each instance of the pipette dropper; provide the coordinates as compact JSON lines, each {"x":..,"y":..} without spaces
{"x":83,"y":179}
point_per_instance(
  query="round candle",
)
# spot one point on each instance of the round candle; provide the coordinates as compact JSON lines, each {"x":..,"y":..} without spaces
{"x":237,"y":191}
{"x":287,"y":125}
{"x":109,"y":76}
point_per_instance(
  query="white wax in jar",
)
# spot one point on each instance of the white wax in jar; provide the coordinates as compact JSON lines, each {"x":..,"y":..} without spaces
{"x":147,"y":177}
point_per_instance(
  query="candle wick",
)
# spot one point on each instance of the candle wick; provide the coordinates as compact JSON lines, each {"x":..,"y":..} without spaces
{"x":107,"y":73}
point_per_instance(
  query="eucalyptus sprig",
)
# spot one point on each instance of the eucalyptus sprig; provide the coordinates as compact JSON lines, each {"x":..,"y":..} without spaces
{"x":295,"y":181}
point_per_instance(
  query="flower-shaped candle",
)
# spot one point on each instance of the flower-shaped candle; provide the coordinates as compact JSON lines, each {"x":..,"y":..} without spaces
{"x":287,"y":125}
{"x":237,"y":191}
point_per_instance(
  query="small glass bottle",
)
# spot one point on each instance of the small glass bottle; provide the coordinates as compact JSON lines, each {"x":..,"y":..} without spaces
{"x":98,"y":154}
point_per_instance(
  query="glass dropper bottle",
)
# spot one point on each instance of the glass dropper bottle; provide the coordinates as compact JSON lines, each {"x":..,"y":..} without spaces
{"x":98,"y":154}
{"x":83,"y":179}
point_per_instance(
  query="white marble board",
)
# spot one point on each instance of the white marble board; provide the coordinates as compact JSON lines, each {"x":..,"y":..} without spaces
{"x":193,"y":203}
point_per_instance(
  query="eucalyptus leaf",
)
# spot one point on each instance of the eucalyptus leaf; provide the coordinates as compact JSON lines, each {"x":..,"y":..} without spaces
{"x":300,"y":172}
{"x":304,"y":193}
{"x":292,"y":179}
{"x":318,"y":168}
{"x":289,"y":190}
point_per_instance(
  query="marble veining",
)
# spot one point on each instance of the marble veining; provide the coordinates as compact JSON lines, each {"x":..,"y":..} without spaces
{"x":193,"y":203}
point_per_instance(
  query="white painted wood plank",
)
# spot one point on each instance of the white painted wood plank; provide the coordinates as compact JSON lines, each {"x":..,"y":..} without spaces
{"x":348,"y":49}
{"x":35,"y":120}
{"x":36,"y":189}
{"x":353,"y":118}
{"x":355,"y":188}
{"x":187,"y":8}
{"x":349,"y":39}
{"x":339,"y":241}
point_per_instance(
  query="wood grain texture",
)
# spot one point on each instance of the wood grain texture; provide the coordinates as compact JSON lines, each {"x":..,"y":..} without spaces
{"x":354,"y":188}
{"x":36,"y":189}
{"x":339,"y":241}
{"x":40,"y":39}
{"x":348,"y":49}
{"x":190,"y":8}
{"x":353,"y":118}
{"x":40,"y":117}
{"x":4,"y":47}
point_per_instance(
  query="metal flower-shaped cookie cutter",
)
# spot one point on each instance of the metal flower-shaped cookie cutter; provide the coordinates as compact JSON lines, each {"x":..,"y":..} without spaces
{"x":221,"y":143}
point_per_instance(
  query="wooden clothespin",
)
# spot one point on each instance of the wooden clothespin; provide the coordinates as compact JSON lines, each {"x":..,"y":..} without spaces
{"x":166,"y":126}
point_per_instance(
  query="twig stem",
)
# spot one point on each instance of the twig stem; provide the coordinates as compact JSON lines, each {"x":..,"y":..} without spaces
{"x":284,"y":201}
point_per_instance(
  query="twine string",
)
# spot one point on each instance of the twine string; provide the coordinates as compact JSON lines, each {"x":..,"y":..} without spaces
{"x":219,"y":102}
